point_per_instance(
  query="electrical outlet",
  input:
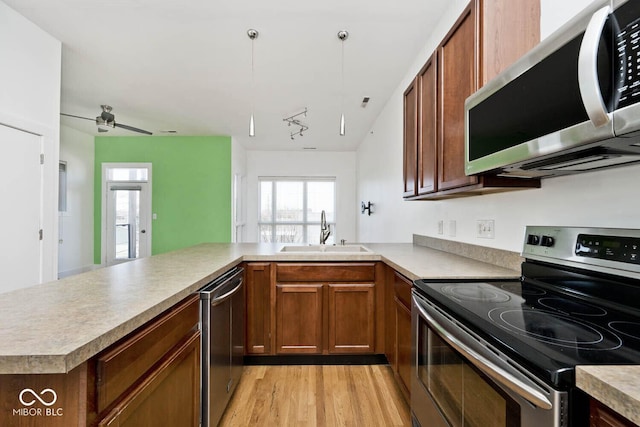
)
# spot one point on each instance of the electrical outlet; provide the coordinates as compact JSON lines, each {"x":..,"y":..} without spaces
{"x":486,"y":228}
{"x":441,"y":227}
{"x":452,"y":228}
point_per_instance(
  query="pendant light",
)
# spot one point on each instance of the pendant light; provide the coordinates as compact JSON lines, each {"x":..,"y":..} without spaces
{"x":253,"y":35}
{"x":342,"y":35}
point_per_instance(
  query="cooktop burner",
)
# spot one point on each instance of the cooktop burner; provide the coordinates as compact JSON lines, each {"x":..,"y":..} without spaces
{"x":518,"y":287}
{"x":629,"y":329}
{"x":475,"y":292}
{"x":555,"y":329}
{"x":570,"y":307}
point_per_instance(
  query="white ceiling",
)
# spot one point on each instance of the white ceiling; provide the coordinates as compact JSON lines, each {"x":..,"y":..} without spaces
{"x":185,"y":65}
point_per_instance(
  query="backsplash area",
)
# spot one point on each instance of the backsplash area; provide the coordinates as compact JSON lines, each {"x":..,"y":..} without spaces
{"x":499,"y":257}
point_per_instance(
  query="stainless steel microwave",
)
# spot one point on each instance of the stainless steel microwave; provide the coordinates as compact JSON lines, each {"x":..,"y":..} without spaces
{"x":570,"y":105}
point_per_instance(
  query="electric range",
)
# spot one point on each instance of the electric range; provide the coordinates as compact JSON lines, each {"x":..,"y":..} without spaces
{"x":577,"y":303}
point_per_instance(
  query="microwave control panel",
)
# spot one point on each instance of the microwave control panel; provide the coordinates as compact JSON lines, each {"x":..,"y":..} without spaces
{"x":627,"y":45}
{"x":612,"y":248}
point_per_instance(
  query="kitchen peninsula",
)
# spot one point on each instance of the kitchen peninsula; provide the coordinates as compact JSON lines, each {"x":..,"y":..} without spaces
{"x":55,"y":328}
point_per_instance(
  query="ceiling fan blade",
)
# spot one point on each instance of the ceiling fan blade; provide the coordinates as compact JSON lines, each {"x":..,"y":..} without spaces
{"x":77,"y":117}
{"x":131,"y":128}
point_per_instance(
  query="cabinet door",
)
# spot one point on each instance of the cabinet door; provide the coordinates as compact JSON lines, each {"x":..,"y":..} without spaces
{"x":402,"y":327}
{"x":390,"y":319}
{"x":351,"y":318}
{"x":427,"y":127}
{"x":410,"y":139}
{"x":299,"y":318}
{"x":168,"y":396}
{"x":457,"y":63}
{"x":603,"y":416}
{"x":258,"y":304}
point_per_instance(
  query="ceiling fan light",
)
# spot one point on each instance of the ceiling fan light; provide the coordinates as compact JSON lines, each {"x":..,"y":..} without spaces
{"x":104,"y":125}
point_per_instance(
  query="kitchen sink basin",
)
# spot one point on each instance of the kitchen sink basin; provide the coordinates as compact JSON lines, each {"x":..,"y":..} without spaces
{"x":325,"y":248}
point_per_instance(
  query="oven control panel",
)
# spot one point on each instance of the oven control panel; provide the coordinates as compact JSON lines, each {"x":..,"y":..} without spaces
{"x":613,"y":248}
{"x":607,"y":250}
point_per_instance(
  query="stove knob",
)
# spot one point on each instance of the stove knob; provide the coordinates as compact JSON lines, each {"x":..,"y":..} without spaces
{"x":547,"y":241}
{"x":533,"y":239}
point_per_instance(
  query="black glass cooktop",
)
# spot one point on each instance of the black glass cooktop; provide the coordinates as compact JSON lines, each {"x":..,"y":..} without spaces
{"x":545,"y":329}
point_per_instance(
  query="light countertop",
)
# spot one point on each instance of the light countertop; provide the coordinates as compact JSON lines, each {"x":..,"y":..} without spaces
{"x":56,"y":326}
{"x":618,"y":387}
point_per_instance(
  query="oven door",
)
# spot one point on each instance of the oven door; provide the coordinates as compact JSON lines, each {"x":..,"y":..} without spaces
{"x":458,"y":379}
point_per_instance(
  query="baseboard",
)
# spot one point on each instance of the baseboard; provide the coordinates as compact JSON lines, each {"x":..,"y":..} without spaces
{"x":318,"y":359}
{"x":63,"y":274}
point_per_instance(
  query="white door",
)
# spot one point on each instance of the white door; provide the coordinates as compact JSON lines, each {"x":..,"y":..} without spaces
{"x":128,"y":227}
{"x":20,"y":209}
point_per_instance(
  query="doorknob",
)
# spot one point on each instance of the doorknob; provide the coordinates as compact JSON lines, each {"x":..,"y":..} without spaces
{"x":143,"y":231}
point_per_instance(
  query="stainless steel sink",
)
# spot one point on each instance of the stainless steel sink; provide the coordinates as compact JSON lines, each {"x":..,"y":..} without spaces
{"x":325,"y":248}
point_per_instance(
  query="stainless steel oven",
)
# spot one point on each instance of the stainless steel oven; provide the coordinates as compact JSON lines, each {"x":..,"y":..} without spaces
{"x":462,"y":380}
{"x":502,"y":353}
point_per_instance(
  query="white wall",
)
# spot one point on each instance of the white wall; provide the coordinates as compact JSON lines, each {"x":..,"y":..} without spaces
{"x":298,"y":163}
{"x":76,"y":224}
{"x":30,"y":101}
{"x":606,"y":198}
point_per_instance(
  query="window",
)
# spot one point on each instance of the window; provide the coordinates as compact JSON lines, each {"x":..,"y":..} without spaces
{"x":290,"y":209}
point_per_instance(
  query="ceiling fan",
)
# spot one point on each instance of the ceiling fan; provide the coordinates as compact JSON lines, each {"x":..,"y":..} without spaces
{"x":107,"y":119}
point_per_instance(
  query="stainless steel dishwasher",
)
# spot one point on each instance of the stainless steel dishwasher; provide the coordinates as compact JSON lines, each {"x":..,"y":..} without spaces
{"x":222,"y":315}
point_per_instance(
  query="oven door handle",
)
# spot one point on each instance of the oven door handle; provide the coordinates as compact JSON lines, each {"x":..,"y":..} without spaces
{"x":521,"y":386}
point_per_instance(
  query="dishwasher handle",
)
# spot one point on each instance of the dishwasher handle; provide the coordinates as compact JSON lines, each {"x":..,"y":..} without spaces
{"x":225,"y":296}
{"x":223,"y":288}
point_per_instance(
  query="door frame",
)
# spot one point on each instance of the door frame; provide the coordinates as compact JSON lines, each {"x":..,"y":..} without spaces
{"x":105,"y":192}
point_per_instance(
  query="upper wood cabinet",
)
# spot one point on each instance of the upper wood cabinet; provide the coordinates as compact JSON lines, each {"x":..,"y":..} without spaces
{"x":427,"y":146}
{"x":487,"y":37}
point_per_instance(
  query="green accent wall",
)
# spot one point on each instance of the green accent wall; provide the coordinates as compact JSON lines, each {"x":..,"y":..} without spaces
{"x":191,"y":186}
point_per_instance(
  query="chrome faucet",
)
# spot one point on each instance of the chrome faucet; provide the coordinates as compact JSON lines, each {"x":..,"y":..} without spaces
{"x":325,"y":229}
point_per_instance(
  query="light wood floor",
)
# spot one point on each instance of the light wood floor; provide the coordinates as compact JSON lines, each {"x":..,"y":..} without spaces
{"x":317,"y":396}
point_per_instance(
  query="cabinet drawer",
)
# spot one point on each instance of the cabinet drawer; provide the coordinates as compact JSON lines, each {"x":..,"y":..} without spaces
{"x":125,"y":362}
{"x":402,"y":289}
{"x":325,"y":272}
{"x":168,"y":396}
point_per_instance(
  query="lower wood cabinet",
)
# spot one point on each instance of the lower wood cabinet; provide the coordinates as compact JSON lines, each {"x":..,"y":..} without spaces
{"x":603,"y":416}
{"x":166,"y":394}
{"x":398,"y":333}
{"x":299,"y":318}
{"x":315,"y":308}
{"x":259,"y":301}
{"x":151,"y":377}
{"x":352,"y":318}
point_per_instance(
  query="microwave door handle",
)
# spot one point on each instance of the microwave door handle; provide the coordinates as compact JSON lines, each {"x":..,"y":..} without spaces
{"x":588,"y":69}
{"x":530,"y":392}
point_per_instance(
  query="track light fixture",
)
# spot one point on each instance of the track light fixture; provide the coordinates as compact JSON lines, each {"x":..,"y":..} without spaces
{"x":295,"y":120}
